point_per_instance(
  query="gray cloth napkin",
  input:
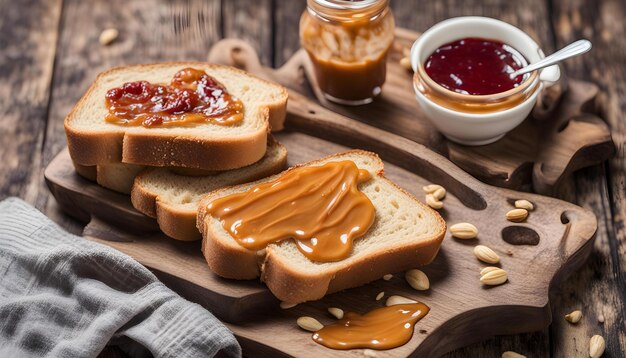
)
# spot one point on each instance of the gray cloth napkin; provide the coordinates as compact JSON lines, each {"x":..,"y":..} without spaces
{"x":64,"y":296}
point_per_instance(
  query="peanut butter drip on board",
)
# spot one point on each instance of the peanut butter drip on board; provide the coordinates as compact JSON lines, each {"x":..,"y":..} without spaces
{"x":320,"y":207}
{"x":382,"y":328}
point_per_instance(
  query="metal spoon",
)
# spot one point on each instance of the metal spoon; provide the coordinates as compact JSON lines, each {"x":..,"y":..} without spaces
{"x":574,"y":49}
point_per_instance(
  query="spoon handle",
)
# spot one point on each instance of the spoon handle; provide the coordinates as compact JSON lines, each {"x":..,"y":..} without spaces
{"x":574,"y":49}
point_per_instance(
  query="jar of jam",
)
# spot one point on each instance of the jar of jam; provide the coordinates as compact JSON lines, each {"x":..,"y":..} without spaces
{"x":348,"y":42}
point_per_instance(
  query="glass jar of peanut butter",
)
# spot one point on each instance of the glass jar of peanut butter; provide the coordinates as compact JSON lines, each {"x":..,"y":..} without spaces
{"x":347,"y":42}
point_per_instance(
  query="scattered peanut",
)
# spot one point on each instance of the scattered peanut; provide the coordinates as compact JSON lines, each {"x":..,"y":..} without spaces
{"x":398,"y":300}
{"x":511,"y":354}
{"x":380,"y":295}
{"x":387,"y":277}
{"x":574,"y":317}
{"x":309,"y":324}
{"x":108,"y":36}
{"x":434,"y":194}
{"x":433,"y":202}
{"x":406,"y":63}
{"x":464,"y":231}
{"x":488,"y":269}
{"x":439,"y":193}
{"x":417,"y":279}
{"x":494,"y":278}
{"x":369,"y":353}
{"x":287,"y":305}
{"x":524,"y":204}
{"x":431,"y":188}
{"x":337,"y":312}
{"x":517,"y":215}
{"x":485,"y":254}
{"x":596,"y":346}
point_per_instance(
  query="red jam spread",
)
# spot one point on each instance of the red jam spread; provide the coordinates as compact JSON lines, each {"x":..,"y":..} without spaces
{"x":192,"y":97}
{"x":475,"y":66}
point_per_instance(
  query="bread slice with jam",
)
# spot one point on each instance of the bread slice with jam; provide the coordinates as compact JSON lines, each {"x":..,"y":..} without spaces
{"x":92,"y":140}
{"x":405,"y":234}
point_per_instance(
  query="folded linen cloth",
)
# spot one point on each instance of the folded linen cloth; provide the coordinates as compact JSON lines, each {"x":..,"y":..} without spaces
{"x":64,"y":296}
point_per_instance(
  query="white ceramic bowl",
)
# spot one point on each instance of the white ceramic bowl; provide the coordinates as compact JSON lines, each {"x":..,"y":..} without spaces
{"x":478,"y":128}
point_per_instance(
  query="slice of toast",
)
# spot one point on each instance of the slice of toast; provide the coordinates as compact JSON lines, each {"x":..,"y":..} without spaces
{"x":173,"y":198}
{"x":120,"y":177}
{"x":92,"y":141}
{"x":405,"y":234}
{"x":89,"y":172}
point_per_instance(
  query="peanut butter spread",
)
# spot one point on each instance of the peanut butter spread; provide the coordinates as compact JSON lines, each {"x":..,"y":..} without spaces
{"x":348,"y":47}
{"x":381,"y":328}
{"x":320,"y":207}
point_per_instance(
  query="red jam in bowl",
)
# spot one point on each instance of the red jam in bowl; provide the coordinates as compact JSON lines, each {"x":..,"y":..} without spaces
{"x":475,"y":66}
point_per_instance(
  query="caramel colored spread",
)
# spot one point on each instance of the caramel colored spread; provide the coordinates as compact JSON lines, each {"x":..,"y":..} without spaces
{"x":192,"y":97}
{"x":320,"y":207}
{"x":351,"y":81}
{"x":382,"y":328}
{"x":349,"y":49}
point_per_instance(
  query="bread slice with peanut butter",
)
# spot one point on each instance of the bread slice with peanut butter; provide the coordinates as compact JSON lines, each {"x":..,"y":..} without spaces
{"x":92,"y":140}
{"x":405,"y":234}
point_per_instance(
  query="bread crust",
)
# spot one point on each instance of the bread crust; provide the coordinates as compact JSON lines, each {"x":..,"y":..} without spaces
{"x":92,"y":147}
{"x":278,"y":113}
{"x":230,"y":261}
{"x":180,"y":223}
{"x":89,"y":172}
{"x":220,"y":154}
{"x":290,"y":285}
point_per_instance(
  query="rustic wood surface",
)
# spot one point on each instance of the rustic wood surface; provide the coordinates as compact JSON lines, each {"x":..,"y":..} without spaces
{"x":49,"y":54}
{"x":538,"y":254}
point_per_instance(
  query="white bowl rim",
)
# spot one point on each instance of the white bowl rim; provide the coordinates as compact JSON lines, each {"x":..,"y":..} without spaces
{"x":440,"y":26}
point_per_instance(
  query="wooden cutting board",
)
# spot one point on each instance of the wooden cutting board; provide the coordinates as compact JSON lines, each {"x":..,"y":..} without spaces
{"x":563,"y":134}
{"x":538,"y":254}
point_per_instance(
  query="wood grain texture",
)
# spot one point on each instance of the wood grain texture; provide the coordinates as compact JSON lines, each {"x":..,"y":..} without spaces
{"x":27,"y":49}
{"x":599,"y":290}
{"x":251,"y":22}
{"x":286,"y":29}
{"x":532,"y":15}
{"x":458,"y":301}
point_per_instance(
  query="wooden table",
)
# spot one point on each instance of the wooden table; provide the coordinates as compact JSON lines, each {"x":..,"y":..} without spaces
{"x":49,"y":54}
